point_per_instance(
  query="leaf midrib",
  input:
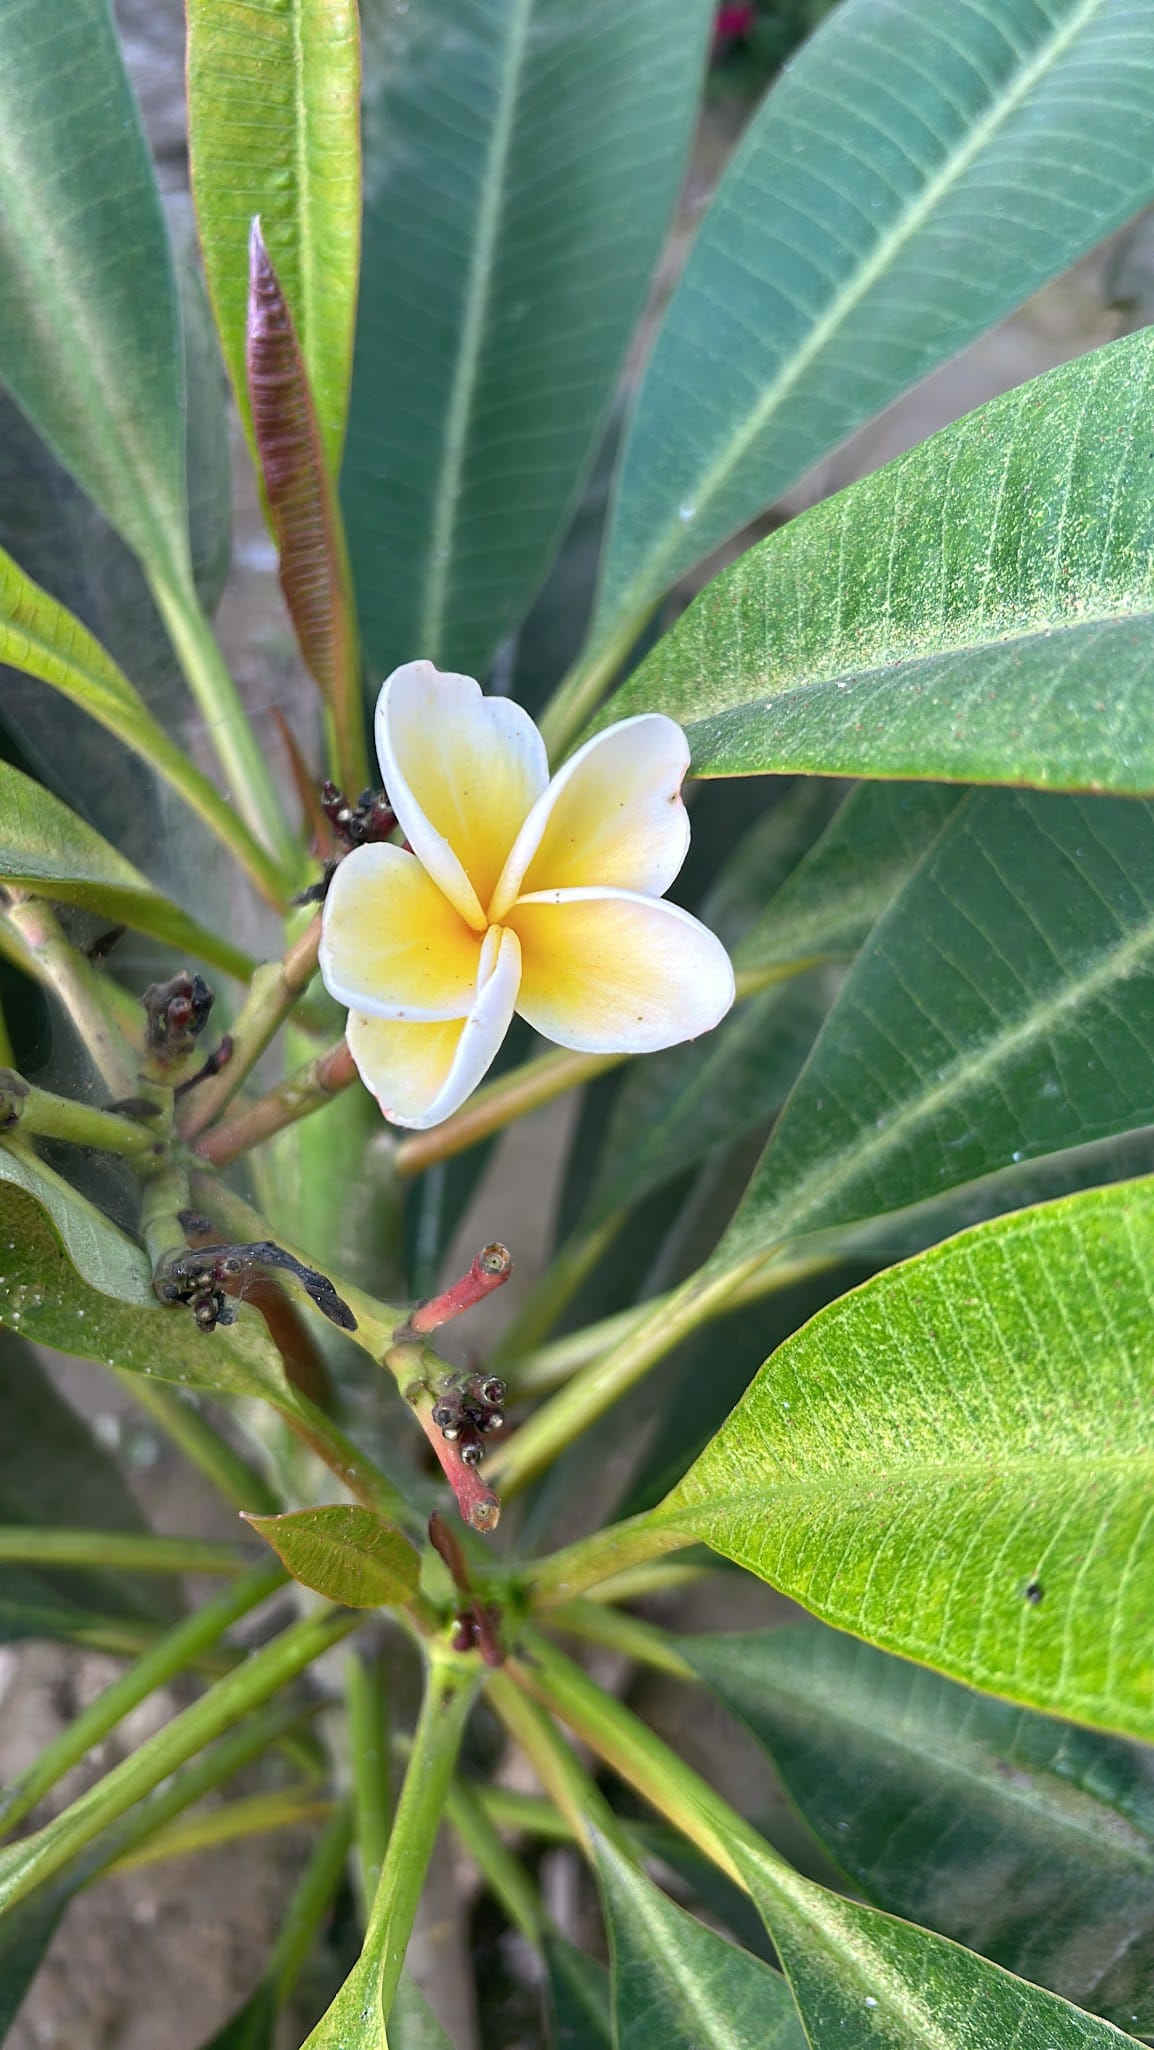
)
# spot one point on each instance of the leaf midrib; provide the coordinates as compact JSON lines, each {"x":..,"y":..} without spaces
{"x":467,"y":365}
{"x":856,"y":288}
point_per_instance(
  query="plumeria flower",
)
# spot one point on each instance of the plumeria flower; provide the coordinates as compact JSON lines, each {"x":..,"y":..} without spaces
{"x":513,"y":894}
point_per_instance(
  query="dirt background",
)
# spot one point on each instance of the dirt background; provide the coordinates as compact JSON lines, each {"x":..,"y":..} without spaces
{"x":156,"y":1960}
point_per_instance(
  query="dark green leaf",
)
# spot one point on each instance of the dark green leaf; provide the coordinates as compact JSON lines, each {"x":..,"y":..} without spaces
{"x":679,"y":1986}
{"x":955,"y":1463}
{"x":252,"y":2027}
{"x":579,"y":2010}
{"x":521,"y":165}
{"x":26,"y":1933}
{"x":1021,"y":1837}
{"x":915,"y":173}
{"x":345,"y":1553}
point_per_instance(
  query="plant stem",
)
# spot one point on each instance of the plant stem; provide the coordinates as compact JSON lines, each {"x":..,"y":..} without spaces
{"x":76,"y":986}
{"x":173,"y":1653}
{"x":272,"y":993}
{"x":245,"y":766}
{"x":598,"y":1623}
{"x":531,"y":1813}
{"x":504,"y":1874}
{"x":240,"y":1484}
{"x":40,"y":1114}
{"x":309,"y":1089}
{"x":131,"y":1551}
{"x":251,"y":1815}
{"x":606,"y":1555}
{"x":561,"y":1774}
{"x":369,"y":1989}
{"x":312,"y":1898}
{"x":367,"y":1701}
{"x":27,"y":1864}
{"x":579,"y":694}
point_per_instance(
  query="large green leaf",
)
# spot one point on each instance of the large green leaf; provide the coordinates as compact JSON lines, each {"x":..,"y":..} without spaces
{"x":1021,"y":1837}
{"x":987,"y":616}
{"x":863,"y":1981}
{"x":996,"y":1014}
{"x":915,"y":173}
{"x":578,"y":1998}
{"x":89,"y":322}
{"x":45,"y":848}
{"x":73,"y":1281}
{"x":522,"y":158}
{"x":273,"y":130}
{"x":955,"y":1461}
{"x":677,"y":1983}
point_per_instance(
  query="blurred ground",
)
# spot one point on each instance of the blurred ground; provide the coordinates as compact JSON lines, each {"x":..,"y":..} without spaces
{"x":161,"y":1957}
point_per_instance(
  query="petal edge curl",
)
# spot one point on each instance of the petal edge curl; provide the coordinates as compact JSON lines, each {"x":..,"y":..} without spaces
{"x":421,"y":1073}
{"x":612,"y":971}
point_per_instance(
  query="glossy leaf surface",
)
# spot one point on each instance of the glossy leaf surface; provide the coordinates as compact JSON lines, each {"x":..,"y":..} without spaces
{"x":273,"y":116}
{"x":677,"y":1982}
{"x":89,"y":321}
{"x":954,"y":1462}
{"x":914,"y":174}
{"x":345,"y":1553}
{"x":45,"y":848}
{"x":1023,"y":1838}
{"x":978,"y":610}
{"x":995,"y":1015}
{"x":522,"y":158}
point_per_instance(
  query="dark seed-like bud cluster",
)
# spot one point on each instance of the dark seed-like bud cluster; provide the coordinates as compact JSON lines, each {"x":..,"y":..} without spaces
{"x":177,"y":1014}
{"x":467,"y":1408}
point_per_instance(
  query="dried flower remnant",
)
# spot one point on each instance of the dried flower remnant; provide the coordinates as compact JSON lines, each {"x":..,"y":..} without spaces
{"x":514,"y":894}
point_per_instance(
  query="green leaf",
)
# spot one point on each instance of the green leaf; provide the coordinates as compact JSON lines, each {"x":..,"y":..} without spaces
{"x":26,"y":1933}
{"x":412,"y":2023}
{"x":252,"y":2027}
{"x":996,"y":1014}
{"x":1023,"y":1838}
{"x":863,"y":1981}
{"x":913,"y":175}
{"x":521,"y":166}
{"x":345,"y":1553}
{"x":273,"y":130}
{"x":44,"y":847}
{"x":73,"y":1281}
{"x":89,"y":321}
{"x":955,"y":1463}
{"x":579,"y":2010}
{"x":988,"y":617}
{"x":675,"y":1982}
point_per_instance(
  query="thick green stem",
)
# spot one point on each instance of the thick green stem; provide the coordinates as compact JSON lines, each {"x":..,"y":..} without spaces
{"x":74,"y":982}
{"x":37,"y":1113}
{"x":273,"y":991}
{"x":173,"y":1653}
{"x":28,"y":1863}
{"x":240,"y":755}
{"x":240,"y":1484}
{"x":312,"y":1087}
{"x":130,"y":1551}
{"x":368,"y":1991}
{"x":367,"y":1700}
{"x":605,"y":1556}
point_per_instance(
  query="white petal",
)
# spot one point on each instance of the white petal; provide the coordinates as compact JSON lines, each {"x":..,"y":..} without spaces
{"x":611,"y":818}
{"x":462,"y":772}
{"x":611,"y":971}
{"x":391,"y":944}
{"x":421,"y":1073}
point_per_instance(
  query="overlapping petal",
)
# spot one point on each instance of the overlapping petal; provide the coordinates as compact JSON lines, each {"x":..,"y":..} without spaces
{"x":612,"y":817}
{"x":462,"y":772}
{"x":611,"y":971}
{"x":421,"y":1073}
{"x":392,"y":945}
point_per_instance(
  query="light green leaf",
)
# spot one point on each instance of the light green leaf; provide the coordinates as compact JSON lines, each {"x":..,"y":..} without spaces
{"x":73,"y":1281}
{"x":915,"y":173}
{"x":345,"y":1553}
{"x":521,"y":165}
{"x":89,"y":321}
{"x":274,"y":131}
{"x":955,"y":1461}
{"x":1024,"y":1838}
{"x":45,"y":848}
{"x":980,"y":609}
{"x":676,"y":1982}
{"x":996,"y":1014}
{"x":863,"y":1981}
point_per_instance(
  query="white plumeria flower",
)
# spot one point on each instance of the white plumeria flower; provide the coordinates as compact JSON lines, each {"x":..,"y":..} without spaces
{"x":518,"y":895}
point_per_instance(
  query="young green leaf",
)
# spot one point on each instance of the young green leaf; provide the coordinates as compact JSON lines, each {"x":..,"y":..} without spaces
{"x":863,"y":1981}
{"x":987,"y":618}
{"x":44,"y":847}
{"x":1021,"y":1837}
{"x":996,"y":1014}
{"x":89,"y":322}
{"x":345,"y":1553}
{"x":677,"y":1982}
{"x":274,"y":131}
{"x":916,"y":172}
{"x":521,"y":166}
{"x":954,"y":1462}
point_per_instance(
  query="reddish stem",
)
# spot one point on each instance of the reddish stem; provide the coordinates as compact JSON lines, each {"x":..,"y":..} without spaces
{"x":490,"y":1270}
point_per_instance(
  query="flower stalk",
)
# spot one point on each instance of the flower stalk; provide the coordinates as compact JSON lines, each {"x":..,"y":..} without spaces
{"x":274,"y":990}
{"x":38,"y":1113}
